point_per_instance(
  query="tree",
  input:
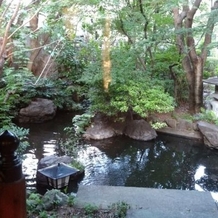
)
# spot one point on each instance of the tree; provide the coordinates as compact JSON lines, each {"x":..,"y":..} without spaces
{"x":5,"y":38}
{"x":137,"y":32}
{"x":186,"y":41}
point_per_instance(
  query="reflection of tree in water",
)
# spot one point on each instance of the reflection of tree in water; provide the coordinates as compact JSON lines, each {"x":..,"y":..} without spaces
{"x":163,"y":167}
{"x":164,"y":163}
{"x":106,"y":161}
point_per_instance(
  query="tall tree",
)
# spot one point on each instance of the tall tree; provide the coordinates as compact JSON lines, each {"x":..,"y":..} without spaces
{"x":186,"y":40}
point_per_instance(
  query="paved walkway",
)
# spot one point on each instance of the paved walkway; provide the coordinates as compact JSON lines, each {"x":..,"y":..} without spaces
{"x":151,"y":203}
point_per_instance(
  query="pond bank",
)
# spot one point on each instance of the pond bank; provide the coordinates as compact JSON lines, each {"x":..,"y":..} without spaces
{"x":182,"y":133}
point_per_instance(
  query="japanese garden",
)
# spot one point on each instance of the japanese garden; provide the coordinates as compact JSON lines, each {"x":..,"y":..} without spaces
{"x":126,"y":87}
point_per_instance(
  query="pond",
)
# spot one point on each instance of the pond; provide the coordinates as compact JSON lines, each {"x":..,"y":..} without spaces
{"x":168,"y":162}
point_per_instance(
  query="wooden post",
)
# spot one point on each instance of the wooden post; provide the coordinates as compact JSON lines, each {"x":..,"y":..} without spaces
{"x":12,"y":181}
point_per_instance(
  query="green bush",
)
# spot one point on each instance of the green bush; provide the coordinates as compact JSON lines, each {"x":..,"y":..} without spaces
{"x":139,"y":97}
{"x":207,"y":115}
{"x":210,"y":68}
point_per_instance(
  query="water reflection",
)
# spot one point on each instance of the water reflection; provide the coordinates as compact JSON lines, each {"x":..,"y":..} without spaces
{"x":168,"y":162}
{"x":126,"y":162}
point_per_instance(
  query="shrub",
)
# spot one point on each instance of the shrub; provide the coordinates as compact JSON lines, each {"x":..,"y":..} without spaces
{"x":139,"y":97}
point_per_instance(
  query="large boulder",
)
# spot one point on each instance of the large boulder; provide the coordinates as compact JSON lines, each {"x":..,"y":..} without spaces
{"x":210,"y":134}
{"x":102,"y":128}
{"x":38,"y":111}
{"x":140,"y":130}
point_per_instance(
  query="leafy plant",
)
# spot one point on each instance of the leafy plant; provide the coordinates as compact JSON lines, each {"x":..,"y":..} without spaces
{"x":120,"y":209}
{"x":80,"y":122}
{"x":186,"y":116}
{"x":78,"y":165}
{"x":74,"y":132}
{"x":33,"y":201}
{"x":71,"y":200}
{"x":90,"y":209}
{"x":12,"y":94}
{"x":139,"y":97}
{"x":158,"y":125}
{"x":207,"y":115}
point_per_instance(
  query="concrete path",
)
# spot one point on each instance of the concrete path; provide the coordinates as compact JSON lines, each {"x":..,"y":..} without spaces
{"x":151,"y":203}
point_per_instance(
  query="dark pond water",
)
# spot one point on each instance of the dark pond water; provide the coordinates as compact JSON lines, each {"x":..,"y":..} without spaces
{"x":166,"y":163}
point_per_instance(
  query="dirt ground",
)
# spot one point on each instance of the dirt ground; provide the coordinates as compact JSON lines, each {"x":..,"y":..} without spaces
{"x":178,"y":112}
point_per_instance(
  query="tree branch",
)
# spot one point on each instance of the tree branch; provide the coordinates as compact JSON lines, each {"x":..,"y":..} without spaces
{"x":188,"y":24}
{"x":6,"y":9}
{"x":209,"y":31}
{"x":5,"y":38}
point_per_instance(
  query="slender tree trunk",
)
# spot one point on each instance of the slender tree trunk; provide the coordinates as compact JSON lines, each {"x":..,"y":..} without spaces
{"x":34,"y":43}
{"x":198,"y":87}
{"x":2,"y":57}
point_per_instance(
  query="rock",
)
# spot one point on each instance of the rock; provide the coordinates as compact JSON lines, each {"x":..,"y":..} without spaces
{"x":102,"y":128}
{"x":38,"y":111}
{"x":184,"y":125}
{"x":99,"y":131}
{"x":214,"y":95}
{"x":140,"y":130}
{"x":118,"y":127}
{"x":48,"y":161}
{"x":172,"y":123}
{"x":210,"y":134}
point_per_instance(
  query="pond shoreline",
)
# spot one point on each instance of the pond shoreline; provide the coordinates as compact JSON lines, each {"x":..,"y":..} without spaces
{"x":181,"y":133}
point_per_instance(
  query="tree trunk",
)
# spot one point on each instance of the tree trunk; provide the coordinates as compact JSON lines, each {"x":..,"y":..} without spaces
{"x":194,"y":77}
{"x":34,"y":44}
{"x":198,"y":87}
{"x":193,"y":62}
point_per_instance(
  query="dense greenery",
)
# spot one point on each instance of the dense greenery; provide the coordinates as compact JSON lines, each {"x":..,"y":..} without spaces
{"x":64,"y":51}
{"x":20,"y":88}
{"x":132,"y":43}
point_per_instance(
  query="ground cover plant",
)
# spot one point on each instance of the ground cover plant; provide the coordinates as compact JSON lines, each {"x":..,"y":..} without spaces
{"x":39,"y":206}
